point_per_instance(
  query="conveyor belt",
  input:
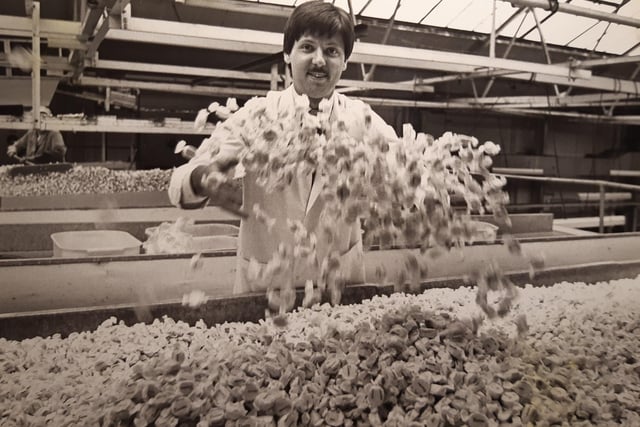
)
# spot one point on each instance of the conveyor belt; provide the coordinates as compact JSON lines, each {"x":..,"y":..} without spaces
{"x":62,"y":283}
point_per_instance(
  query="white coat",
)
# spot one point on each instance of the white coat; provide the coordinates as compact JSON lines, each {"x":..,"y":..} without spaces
{"x":298,"y":201}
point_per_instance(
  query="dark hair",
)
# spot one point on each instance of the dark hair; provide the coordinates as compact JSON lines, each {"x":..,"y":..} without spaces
{"x":321,"y":19}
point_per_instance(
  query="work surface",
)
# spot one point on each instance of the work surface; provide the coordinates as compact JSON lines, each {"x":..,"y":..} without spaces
{"x":141,"y":285}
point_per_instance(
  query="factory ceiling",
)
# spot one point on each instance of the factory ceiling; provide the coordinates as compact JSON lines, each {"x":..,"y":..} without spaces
{"x":578,"y":59}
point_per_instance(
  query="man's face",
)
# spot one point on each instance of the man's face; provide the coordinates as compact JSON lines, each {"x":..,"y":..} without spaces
{"x":316,"y":65}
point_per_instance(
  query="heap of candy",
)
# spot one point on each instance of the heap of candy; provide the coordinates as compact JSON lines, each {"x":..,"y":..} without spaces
{"x":382,"y":361}
{"x":83,"y":180}
{"x":400,"y":190}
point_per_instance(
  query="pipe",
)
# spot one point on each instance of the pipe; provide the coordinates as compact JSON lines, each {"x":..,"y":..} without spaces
{"x":578,"y":11}
{"x":591,"y":63}
{"x":598,"y":182}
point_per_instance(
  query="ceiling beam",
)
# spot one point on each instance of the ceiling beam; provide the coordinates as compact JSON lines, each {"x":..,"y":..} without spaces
{"x":173,"y":33}
{"x":243,"y":75}
{"x":172,"y":87}
{"x":183,"y":70}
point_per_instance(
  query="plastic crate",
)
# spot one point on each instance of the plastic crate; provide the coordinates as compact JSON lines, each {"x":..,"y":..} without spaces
{"x":77,"y":244}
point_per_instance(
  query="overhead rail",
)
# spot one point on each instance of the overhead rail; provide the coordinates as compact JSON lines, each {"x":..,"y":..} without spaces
{"x":567,"y":7}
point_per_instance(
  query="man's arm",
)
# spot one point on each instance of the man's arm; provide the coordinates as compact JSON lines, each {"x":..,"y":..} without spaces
{"x":19,"y":145}
{"x":217,"y":154}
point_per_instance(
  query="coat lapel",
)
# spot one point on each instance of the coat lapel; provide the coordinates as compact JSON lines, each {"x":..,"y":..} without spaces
{"x":316,"y":188}
{"x":337,"y":110}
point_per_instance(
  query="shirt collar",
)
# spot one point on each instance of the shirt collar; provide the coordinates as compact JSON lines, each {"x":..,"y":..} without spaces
{"x":299,"y":99}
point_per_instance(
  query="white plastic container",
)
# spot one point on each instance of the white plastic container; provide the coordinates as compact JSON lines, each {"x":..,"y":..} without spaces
{"x":487,"y":231}
{"x":78,"y":244}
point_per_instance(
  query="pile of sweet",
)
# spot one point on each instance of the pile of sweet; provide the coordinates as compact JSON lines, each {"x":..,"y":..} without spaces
{"x":83,"y":180}
{"x":402,"y":360}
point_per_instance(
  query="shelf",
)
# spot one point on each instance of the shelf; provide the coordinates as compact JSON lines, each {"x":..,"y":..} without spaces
{"x":108,"y":124}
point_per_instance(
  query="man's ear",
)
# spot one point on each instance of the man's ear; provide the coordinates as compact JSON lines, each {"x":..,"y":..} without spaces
{"x":287,"y":58}
{"x":344,"y":66}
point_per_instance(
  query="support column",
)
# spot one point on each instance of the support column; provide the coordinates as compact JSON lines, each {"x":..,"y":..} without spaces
{"x":35,"y":66}
{"x":492,"y":39}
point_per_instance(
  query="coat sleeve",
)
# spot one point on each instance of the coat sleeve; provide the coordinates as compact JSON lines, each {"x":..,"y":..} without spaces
{"x":58,"y":149}
{"x":21,"y":143}
{"x":383,"y":128}
{"x":226,"y":142}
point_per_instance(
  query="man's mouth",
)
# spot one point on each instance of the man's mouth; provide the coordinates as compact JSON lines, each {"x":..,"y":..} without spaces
{"x":318,"y":74}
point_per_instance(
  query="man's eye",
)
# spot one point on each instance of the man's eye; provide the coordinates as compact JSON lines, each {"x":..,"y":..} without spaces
{"x":307,"y":48}
{"x":332,"y":51}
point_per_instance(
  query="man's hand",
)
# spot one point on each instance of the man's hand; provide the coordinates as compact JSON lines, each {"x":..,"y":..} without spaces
{"x":12,"y":151}
{"x":206,"y":180}
{"x":214,"y":182}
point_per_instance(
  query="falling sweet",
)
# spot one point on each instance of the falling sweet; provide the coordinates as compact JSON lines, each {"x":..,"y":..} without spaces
{"x":400,"y":191}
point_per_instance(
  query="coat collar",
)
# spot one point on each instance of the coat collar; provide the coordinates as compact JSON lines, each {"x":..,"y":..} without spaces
{"x":297,"y":100}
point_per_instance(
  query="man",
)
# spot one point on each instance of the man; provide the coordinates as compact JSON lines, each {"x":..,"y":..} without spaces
{"x":318,"y":39}
{"x":39,"y":146}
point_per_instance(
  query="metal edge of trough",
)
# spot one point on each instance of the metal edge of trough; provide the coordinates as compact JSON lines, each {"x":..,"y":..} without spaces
{"x":251,"y":307}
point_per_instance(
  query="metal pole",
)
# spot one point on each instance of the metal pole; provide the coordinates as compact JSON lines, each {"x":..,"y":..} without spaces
{"x":353,"y":19}
{"x":492,"y":43}
{"x":544,"y":46}
{"x":506,"y":53}
{"x":103,"y":148}
{"x":579,"y":11}
{"x":7,"y":51}
{"x":369,"y":75}
{"x":35,"y":66}
{"x":275,"y":77}
{"x":601,"y":221}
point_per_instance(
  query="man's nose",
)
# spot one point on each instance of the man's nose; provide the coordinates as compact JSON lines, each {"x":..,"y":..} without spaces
{"x":318,"y":57}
